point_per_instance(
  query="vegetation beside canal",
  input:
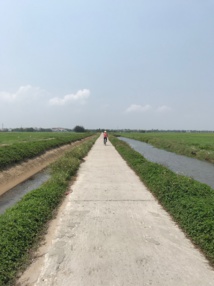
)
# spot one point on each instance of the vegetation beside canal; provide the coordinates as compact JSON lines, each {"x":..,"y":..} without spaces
{"x":196,"y":145}
{"x":190,"y":203}
{"x":19,"y":148}
{"x":21,"y":225}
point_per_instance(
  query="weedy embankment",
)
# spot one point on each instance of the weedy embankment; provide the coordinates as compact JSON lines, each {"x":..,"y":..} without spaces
{"x":190,"y":203}
{"x":21,"y":225}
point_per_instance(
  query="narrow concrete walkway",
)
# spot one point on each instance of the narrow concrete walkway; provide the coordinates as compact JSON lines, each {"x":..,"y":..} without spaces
{"x":113,"y":232}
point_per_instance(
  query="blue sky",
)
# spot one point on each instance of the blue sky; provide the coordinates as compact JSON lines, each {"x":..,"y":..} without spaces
{"x":140,"y":64}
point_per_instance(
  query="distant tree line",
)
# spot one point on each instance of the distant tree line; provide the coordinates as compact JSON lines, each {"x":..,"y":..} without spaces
{"x":81,"y":129}
{"x":31,"y":129}
{"x":151,"y":130}
{"x":28,"y":129}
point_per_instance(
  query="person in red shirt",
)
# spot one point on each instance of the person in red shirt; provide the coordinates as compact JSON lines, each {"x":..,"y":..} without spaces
{"x":105,"y":137}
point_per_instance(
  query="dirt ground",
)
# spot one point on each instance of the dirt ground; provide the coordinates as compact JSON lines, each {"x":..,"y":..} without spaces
{"x":19,"y":173}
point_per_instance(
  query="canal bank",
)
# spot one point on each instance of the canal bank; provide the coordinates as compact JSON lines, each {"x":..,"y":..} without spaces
{"x":19,"y":173}
{"x":190,"y":167}
{"x":11,"y":197}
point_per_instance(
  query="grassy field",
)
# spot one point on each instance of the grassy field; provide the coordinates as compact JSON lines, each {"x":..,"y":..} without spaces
{"x":196,"y":145}
{"x":17,"y":147}
{"x":8,"y":138}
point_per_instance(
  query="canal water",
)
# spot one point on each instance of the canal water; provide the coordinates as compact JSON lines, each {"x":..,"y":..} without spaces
{"x":14,"y":195}
{"x":189,"y":167}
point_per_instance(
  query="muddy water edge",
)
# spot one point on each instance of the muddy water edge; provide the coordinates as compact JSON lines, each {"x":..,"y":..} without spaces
{"x":14,"y":195}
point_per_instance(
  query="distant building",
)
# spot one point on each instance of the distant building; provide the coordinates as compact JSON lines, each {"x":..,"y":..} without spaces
{"x":59,"y":129}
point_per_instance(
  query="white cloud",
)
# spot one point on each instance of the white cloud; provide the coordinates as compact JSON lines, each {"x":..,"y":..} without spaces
{"x":164,"y":109}
{"x":81,"y":96}
{"x":23,"y":93}
{"x":144,"y":108}
{"x":138,"y":108}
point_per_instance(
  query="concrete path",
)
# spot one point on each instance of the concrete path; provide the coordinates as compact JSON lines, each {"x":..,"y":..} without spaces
{"x":113,"y":232}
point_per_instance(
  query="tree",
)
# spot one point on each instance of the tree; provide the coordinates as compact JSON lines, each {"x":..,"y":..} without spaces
{"x":79,"y":129}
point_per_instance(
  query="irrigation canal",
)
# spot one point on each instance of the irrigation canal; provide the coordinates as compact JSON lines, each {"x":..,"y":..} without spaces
{"x":14,"y":195}
{"x":190,"y":167}
{"x":198,"y":170}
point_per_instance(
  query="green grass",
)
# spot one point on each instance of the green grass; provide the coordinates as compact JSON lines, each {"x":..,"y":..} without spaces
{"x":20,"y":137}
{"x":21,"y":225}
{"x":29,"y":147}
{"x":196,"y":145}
{"x":189,"y":202}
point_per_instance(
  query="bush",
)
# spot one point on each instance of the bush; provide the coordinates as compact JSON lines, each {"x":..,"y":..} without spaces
{"x":79,"y":129}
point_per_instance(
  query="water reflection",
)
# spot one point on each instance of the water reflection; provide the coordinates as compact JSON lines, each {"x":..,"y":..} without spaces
{"x":190,"y":167}
{"x":14,"y":195}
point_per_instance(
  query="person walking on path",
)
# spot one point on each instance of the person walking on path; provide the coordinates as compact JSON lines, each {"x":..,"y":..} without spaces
{"x":112,"y":231}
